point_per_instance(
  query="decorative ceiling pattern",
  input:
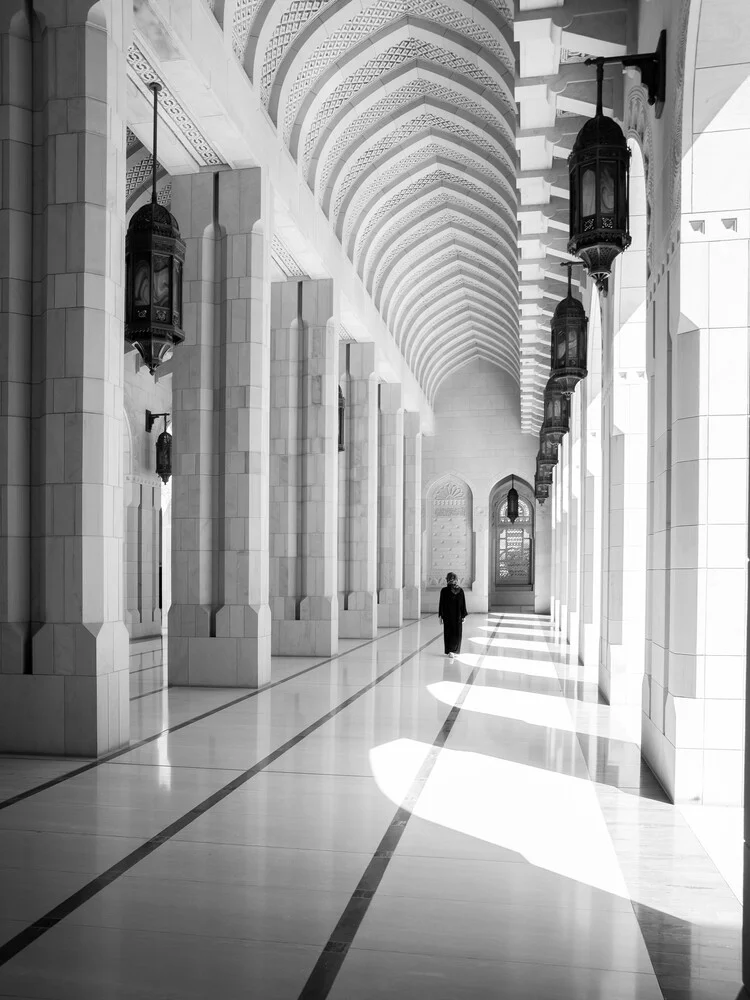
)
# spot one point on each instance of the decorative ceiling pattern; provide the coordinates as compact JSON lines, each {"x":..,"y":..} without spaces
{"x":402,"y":119}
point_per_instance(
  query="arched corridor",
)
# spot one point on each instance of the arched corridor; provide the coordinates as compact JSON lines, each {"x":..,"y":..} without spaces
{"x":306,"y":305}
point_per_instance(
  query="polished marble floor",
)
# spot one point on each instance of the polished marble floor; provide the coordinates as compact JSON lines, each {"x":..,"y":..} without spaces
{"x":389,"y":823}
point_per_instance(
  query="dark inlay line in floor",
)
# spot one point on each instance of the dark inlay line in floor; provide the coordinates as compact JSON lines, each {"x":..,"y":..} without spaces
{"x":108,"y":758}
{"x":51,"y":919}
{"x":320,"y":981}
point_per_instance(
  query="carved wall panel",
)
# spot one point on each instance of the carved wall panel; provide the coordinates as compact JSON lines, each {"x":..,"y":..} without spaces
{"x":449,"y":536}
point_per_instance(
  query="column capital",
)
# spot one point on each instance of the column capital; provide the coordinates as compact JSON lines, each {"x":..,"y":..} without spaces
{"x":390,"y":397}
{"x":361,"y":362}
{"x":412,"y":423}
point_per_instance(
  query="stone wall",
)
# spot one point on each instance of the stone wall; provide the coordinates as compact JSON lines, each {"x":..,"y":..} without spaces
{"x":478,"y":441}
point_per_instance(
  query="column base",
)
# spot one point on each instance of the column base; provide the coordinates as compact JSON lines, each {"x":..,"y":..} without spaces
{"x":309,"y":638}
{"x":360,"y":619}
{"x":241,"y":659}
{"x":391,"y":608}
{"x":314,"y":633}
{"x":65,"y":715}
{"x":412,"y":603}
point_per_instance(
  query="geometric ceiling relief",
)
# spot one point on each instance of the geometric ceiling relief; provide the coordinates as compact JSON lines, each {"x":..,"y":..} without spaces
{"x":403,"y":165}
{"x":419,"y":82}
{"x":402,"y":119}
{"x":409,"y":128}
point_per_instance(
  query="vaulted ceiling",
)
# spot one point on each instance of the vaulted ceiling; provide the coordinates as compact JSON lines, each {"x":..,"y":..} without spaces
{"x":401,"y":117}
{"x":431,"y":134}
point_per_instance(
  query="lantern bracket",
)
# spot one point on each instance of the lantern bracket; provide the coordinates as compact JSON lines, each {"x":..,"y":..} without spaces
{"x":151,"y":418}
{"x":653,"y":69}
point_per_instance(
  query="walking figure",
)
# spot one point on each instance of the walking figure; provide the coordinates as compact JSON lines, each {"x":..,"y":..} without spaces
{"x":452,"y":611}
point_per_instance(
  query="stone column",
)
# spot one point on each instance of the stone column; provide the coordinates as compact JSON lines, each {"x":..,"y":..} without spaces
{"x":304,"y":469}
{"x":391,"y":507}
{"x":220,"y":620}
{"x":64,"y":679}
{"x":358,"y":618}
{"x":591,"y":497}
{"x":562,"y":477}
{"x":16,"y":284}
{"x":573,"y":539}
{"x":141,"y":548}
{"x":412,"y":515}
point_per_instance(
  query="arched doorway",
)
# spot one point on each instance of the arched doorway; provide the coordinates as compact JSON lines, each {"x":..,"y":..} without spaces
{"x":511,"y":559}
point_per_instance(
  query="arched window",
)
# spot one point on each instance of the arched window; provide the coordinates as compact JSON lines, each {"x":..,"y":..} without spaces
{"x":513,"y":542}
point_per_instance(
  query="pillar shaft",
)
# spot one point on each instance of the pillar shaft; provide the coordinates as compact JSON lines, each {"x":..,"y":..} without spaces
{"x":412,"y":515}
{"x":66,"y":690}
{"x":391,"y":507}
{"x":304,"y":469}
{"x":220,"y":622}
{"x":359,"y":499}
{"x":141,"y":548}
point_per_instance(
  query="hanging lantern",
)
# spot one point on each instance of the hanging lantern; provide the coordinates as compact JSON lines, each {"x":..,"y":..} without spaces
{"x":154,"y":260}
{"x":541,"y":491}
{"x":569,"y":341}
{"x":342,"y":411}
{"x":556,"y":413}
{"x":598,"y":167}
{"x":163,"y":446}
{"x":546,"y":458}
{"x":512,"y":502}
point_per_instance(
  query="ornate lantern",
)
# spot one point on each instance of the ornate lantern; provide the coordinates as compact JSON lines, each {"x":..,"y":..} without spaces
{"x":541,"y":491}
{"x":569,"y":341}
{"x":342,"y":411}
{"x":546,"y":459}
{"x":512,"y":502}
{"x":163,"y":447}
{"x":154,"y":259}
{"x":599,"y":171}
{"x":556,"y":413}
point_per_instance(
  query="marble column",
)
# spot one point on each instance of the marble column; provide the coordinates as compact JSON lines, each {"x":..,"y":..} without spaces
{"x":220,"y":620}
{"x":141,"y":549}
{"x":573,"y":546}
{"x":591,"y":497}
{"x":304,"y":469}
{"x":64,"y":646}
{"x":412,"y":515}
{"x":358,"y":617}
{"x":391,"y":507}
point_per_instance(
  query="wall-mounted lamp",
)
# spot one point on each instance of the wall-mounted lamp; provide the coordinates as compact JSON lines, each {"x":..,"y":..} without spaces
{"x":163,"y":446}
{"x":569,"y":340}
{"x":599,"y":170}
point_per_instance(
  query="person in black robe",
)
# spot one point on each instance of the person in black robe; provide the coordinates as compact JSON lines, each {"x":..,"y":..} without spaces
{"x":452,"y":611}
